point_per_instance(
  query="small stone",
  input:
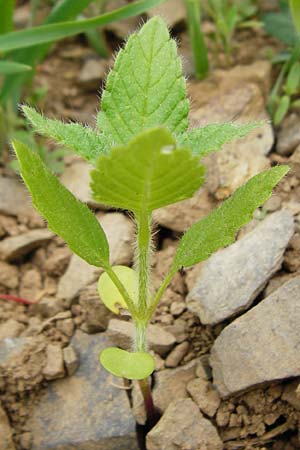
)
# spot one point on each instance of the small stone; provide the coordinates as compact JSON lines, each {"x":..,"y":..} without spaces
{"x":13,"y":248}
{"x":26,"y":441}
{"x":204,"y":395}
{"x":178,"y":330}
{"x":14,"y":199}
{"x":57,"y":263}
{"x":66,"y":326}
{"x":95,"y":314}
{"x":290,"y":395}
{"x":266,"y":340}
{"x":121,"y":332}
{"x":49,"y":306}
{"x":8,"y":275}
{"x":55,"y":363}
{"x":85,"y":411}
{"x":243,"y":269}
{"x":92,"y":72}
{"x":71,"y":360}
{"x":172,"y":11}
{"x":177,"y":308}
{"x":223,"y":416}
{"x":76,"y":178}
{"x":289,"y":135}
{"x":183,"y":427}
{"x":273,"y":204}
{"x":6,"y":441}
{"x":11,"y":329}
{"x":31,"y":284}
{"x":177,"y":354}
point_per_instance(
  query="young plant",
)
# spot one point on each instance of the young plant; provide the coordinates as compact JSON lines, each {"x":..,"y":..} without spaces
{"x":144,"y":158}
{"x":285,"y":25}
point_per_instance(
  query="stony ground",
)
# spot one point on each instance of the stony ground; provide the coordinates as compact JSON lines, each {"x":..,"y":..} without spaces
{"x":226,"y":335}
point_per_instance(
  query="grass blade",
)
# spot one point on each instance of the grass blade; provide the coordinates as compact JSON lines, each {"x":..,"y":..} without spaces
{"x":6,"y":16}
{"x":9,"y":67}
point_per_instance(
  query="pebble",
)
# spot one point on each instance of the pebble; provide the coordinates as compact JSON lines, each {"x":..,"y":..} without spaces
{"x":264,"y":343}
{"x":232,"y":278}
{"x":8,"y":275}
{"x":173,"y":12}
{"x":55,"y":363}
{"x":289,"y":135}
{"x":70,"y":360}
{"x":204,"y":395}
{"x":6,"y":441}
{"x":183,"y":426}
{"x":13,"y":248}
{"x":177,"y":354}
{"x":14,"y":199}
{"x":92,"y":72}
{"x":11,"y":329}
{"x":49,"y":306}
{"x":95,"y":314}
{"x":159,"y":340}
{"x":86,"y":410}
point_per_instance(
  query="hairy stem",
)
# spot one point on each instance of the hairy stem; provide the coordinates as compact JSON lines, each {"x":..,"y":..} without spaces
{"x":148,"y":401}
{"x":143,"y":263}
{"x":159,"y":294}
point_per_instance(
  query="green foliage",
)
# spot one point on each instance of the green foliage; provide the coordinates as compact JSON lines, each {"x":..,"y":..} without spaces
{"x":82,"y":140}
{"x":280,"y":25}
{"x":144,"y":159}
{"x":109,"y":293}
{"x":148,"y":173}
{"x":10,"y":67}
{"x":66,"y":216}
{"x":148,"y":94}
{"x":219,"y":227}
{"x":133,"y":366}
{"x":6,"y":16}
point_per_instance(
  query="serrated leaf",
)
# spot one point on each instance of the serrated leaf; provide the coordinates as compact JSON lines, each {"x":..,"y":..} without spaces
{"x":66,"y":216}
{"x":82,"y":139}
{"x":148,"y":173}
{"x":146,"y":87}
{"x":218,"y":229}
{"x":133,"y":366}
{"x":109,"y":293}
{"x":212,"y":137}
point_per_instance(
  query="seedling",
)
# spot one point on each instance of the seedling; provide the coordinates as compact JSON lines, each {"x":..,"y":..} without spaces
{"x":144,"y":158}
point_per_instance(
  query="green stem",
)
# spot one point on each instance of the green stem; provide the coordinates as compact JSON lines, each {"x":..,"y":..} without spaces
{"x":196,"y":38}
{"x":119,"y":285}
{"x":143,"y":262}
{"x":160,"y":293}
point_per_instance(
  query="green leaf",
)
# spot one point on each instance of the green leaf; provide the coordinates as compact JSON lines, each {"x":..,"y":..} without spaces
{"x":211,"y":138}
{"x":280,"y":25}
{"x":109,"y":293}
{"x":10,"y":67}
{"x":218,"y":229}
{"x":146,"y":87}
{"x":83,"y":140}
{"x":148,"y":173}
{"x":293,"y":79}
{"x":295,"y":12}
{"x":133,"y":366}
{"x":66,"y":216}
{"x":282,"y":109}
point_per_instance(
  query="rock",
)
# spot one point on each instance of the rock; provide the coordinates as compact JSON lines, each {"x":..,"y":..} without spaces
{"x":58,"y":261}
{"x":55,"y":363}
{"x":121,"y":333}
{"x":172,"y":11}
{"x":92,"y":72}
{"x":119,"y":231}
{"x":26,"y":440}
{"x":49,"y":306}
{"x":291,"y":394}
{"x":177,"y":308}
{"x":14,"y":199}
{"x":11,"y":329}
{"x":183,"y":427}
{"x":13,"y":248}
{"x":6,"y":442}
{"x":273,"y":203}
{"x":204,"y":395}
{"x":66,"y":326}
{"x":263,"y":343}
{"x":70,"y":360}
{"x":31,"y":285}
{"x":232,"y":278}
{"x":178,"y":330}
{"x":177,"y":354}
{"x":85,"y":411}
{"x":95,"y":314}
{"x":289,"y":135}
{"x":8,"y":276}
{"x":77,"y":179}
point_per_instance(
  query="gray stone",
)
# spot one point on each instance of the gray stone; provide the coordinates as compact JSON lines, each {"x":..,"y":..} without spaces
{"x":49,"y":306}
{"x":76,"y":178}
{"x":122,"y":333}
{"x":204,"y":395}
{"x":260,"y":346}
{"x":92,"y":72}
{"x":289,"y":135}
{"x":95,"y":314}
{"x":233,"y":277}
{"x":86,"y":411}
{"x":183,"y":427}
{"x":8,"y":275}
{"x":70,"y":360}
{"x":14,"y":199}
{"x":54,"y":363}
{"x":14,"y":247}
{"x":6,"y":441}
{"x":79,"y":274}
{"x":177,"y":354}
{"x":11,"y":329}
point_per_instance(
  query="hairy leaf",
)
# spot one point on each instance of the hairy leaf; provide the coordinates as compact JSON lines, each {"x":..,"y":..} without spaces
{"x":109,"y":293}
{"x":146,"y":88}
{"x":83,"y":140}
{"x":133,"y":366}
{"x":148,"y":173}
{"x":66,"y":216}
{"x":211,"y":138}
{"x":218,"y":229}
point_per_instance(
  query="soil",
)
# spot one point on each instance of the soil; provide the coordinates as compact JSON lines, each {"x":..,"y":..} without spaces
{"x":260,"y":419}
